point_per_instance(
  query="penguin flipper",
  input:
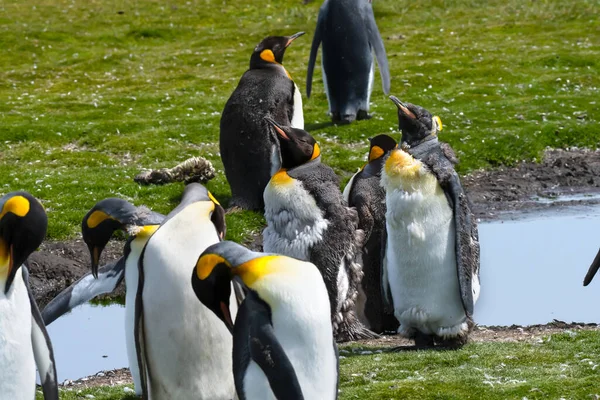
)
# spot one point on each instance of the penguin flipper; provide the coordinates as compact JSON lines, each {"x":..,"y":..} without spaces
{"x":377,"y":44}
{"x":386,"y":292}
{"x":593,"y":269}
{"x":42,"y":347}
{"x":348,"y":189}
{"x":314,"y":48}
{"x":84,"y":290}
{"x":138,"y":329}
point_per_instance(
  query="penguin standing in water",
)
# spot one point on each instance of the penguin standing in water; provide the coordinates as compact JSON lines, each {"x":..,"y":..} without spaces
{"x":364,"y":192}
{"x":431,"y":263}
{"x":24,"y":342}
{"x":184,"y":350}
{"x":283,"y":346}
{"x":349,"y":34}
{"x":308,"y":219}
{"x":97,"y":228}
{"x":249,"y":152}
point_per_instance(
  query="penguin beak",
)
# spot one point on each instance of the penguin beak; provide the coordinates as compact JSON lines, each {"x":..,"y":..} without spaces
{"x":7,"y":255}
{"x":95,"y":260}
{"x":277,"y":128}
{"x":593,"y":269}
{"x":402,"y":107}
{"x":227,"y":317}
{"x":293,"y":37}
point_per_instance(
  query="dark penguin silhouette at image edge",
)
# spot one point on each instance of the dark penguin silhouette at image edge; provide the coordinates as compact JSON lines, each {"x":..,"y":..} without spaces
{"x":249,"y":151}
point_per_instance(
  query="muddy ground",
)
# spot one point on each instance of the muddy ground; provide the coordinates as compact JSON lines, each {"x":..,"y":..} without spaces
{"x":530,"y":334}
{"x":504,"y":192}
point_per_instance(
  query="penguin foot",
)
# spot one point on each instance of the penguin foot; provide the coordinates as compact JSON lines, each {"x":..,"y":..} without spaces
{"x":452,"y":343}
{"x":339,"y":119}
{"x":362,"y":114}
{"x":423,"y":341}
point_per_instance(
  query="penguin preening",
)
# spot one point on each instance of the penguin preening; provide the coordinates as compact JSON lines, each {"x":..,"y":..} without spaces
{"x":365,"y":193}
{"x":308,"y":219}
{"x":249,"y":152}
{"x":24,"y":342}
{"x":349,"y":35}
{"x":283,"y":346}
{"x":184,"y":350}
{"x":593,"y":270}
{"x":97,"y":228}
{"x":431,"y":264}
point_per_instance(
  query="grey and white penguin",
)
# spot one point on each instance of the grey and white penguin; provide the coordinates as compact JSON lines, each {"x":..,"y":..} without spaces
{"x":283,"y":345}
{"x":431,"y":262}
{"x":24,"y":342}
{"x":365,"y":193}
{"x":592,"y":270}
{"x":184,"y":350}
{"x":308,"y":219}
{"x":349,"y":35}
{"x":97,"y":228}
{"x":249,"y":152}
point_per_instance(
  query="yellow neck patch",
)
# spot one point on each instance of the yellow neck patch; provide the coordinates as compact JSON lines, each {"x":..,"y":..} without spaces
{"x":253,"y":270}
{"x":268,"y":56}
{"x":210,"y":196}
{"x":402,"y":164}
{"x":97,"y":218}
{"x":147,"y":231}
{"x":281,"y":178}
{"x":207,"y":263}
{"x":438,"y":121}
{"x":17,"y":205}
{"x":316,"y":152}
{"x":375,"y":153}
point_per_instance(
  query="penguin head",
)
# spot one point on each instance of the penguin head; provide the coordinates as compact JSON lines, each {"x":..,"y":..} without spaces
{"x":415,"y":122}
{"x":271,"y":50}
{"x":297,"y":146}
{"x":107,"y":216}
{"x":23,"y":224}
{"x":381,"y":145}
{"x":195,"y":192}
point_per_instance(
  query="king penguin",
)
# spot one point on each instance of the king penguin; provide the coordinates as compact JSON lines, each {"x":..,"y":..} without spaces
{"x":184,"y":350}
{"x":308,"y":219}
{"x":349,"y":34}
{"x":97,"y":228}
{"x":283,"y":346}
{"x":364,"y":192}
{"x":24,"y":342}
{"x":249,"y":152}
{"x":431,"y":263}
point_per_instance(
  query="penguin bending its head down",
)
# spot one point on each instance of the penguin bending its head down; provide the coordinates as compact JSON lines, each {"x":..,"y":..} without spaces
{"x":283,"y":346}
{"x":249,"y":152}
{"x":97,"y":228}
{"x":308,"y":219}
{"x":364,"y":192}
{"x":431,"y":264}
{"x":24,"y":342}
{"x":349,"y":34}
{"x":184,"y":351}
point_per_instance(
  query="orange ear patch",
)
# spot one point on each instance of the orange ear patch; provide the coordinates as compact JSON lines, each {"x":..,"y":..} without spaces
{"x":267,"y":55}
{"x":316,"y":152}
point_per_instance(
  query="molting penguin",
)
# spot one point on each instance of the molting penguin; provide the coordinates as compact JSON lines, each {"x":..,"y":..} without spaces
{"x":308,"y":219}
{"x":349,"y":34}
{"x":364,"y":192}
{"x":593,"y":270}
{"x":283,"y":346}
{"x":24,"y":342}
{"x":184,"y":350}
{"x":249,"y":152}
{"x":97,"y":228}
{"x":431,"y":260}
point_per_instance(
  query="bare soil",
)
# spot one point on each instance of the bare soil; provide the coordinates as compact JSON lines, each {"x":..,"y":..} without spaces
{"x":503,"y":192}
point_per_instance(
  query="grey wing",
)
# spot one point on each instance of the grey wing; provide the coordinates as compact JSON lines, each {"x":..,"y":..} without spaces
{"x":593,"y":269}
{"x":85,"y":289}
{"x":377,"y":44}
{"x":42,"y":347}
{"x":386,"y":293}
{"x":348,"y":189}
{"x":138,"y":328}
{"x":317,"y":38}
{"x":467,"y":241}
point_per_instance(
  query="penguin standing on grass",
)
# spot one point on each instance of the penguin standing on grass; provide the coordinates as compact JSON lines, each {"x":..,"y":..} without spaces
{"x":308,"y":219}
{"x":364,"y":192}
{"x":349,"y":35}
{"x":431,"y":264}
{"x":97,"y":228}
{"x":249,"y":152}
{"x":24,"y":342}
{"x":283,"y":346}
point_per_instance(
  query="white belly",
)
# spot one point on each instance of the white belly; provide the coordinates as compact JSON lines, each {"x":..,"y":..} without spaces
{"x":189,"y":348}
{"x":131,"y":285}
{"x":17,"y":365}
{"x":294,"y":221}
{"x":298,"y":117}
{"x":421,"y":263}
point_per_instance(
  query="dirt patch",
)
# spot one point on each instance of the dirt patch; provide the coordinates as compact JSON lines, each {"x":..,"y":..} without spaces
{"x":501,"y":192}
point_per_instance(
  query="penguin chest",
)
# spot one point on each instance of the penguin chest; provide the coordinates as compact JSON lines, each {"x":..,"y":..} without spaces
{"x":294,"y":220}
{"x":420,"y":258}
{"x":298,"y":115}
{"x":16,"y":351}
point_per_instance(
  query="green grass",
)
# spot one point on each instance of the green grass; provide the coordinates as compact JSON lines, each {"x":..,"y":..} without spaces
{"x":93,"y":91}
{"x":564,"y":365}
